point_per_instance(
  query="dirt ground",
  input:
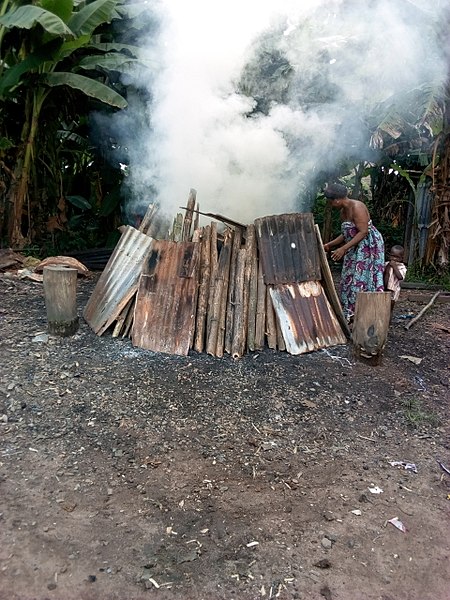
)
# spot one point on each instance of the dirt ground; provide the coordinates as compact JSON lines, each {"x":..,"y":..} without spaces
{"x":130,"y":475}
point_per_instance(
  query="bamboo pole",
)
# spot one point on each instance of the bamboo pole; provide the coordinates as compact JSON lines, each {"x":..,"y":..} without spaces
{"x":238,"y":341}
{"x":220,"y":294}
{"x":271,"y":327}
{"x":203,"y":292}
{"x":237,"y":240}
{"x":187,"y":223}
{"x":260,"y":325}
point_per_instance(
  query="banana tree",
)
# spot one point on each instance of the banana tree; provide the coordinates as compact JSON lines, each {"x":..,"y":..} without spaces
{"x":45,"y":46}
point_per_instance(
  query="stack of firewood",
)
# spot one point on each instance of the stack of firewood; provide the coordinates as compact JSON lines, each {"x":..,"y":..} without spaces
{"x":234,"y":311}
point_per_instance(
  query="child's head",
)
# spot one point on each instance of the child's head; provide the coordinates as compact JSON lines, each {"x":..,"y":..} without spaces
{"x":397,"y":253}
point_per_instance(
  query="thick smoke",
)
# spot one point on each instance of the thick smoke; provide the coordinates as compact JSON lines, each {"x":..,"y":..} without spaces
{"x":254,"y":103}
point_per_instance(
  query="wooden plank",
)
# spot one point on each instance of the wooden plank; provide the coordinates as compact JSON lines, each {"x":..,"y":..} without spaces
{"x":187,"y":223}
{"x":371,"y":325}
{"x":164,"y":315}
{"x":203,"y":292}
{"x":260,"y":326}
{"x":237,"y":240}
{"x":239,"y":337}
{"x":329,"y":287}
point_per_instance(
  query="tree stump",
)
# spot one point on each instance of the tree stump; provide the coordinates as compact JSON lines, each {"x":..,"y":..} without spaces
{"x":370,"y":325}
{"x":60,"y":293}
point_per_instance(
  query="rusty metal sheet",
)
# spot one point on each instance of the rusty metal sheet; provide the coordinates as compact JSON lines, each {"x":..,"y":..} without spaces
{"x":288,"y":248}
{"x":164,"y":315}
{"x":119,"y":279}
{"x":305,"y":316}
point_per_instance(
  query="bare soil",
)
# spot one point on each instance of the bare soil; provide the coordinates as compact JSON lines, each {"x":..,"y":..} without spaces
{"x":131,"y":475}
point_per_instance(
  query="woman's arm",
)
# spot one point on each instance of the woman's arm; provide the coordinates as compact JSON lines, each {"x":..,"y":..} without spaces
{"x":336,"y":242}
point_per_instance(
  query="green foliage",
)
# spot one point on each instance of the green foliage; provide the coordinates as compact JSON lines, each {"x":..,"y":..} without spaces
{"x":417,"y":273}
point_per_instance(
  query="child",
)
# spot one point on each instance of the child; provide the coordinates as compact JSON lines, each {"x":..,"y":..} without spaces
{"x":394,"y":273}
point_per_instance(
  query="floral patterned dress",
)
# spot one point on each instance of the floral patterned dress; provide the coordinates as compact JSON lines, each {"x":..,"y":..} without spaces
{"x":363,"y":267}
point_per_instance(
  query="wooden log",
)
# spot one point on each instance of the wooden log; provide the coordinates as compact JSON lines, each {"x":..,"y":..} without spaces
{"x":423,"y":311}
{"x":203,"y":292}
{"x":280,"y":339}
{"x":213,"y":265}
{"x":122,"y":318}
{"x":239,"y":333}
{"x":253,"y":298}
{"x":196,"y":217}
{"x":329,"y":287}
{"x":60,"y":293}
{"x":187,"y":223}
{"x":371,"y":325}
{"x":177,"y":229}
{"x":223,"y":306}
{"x":250,"y":246}
{"x":271,"y":326}
{"x":129,"y":319}
{"x":260,"y":325}
{"x":237,"y":241}
{"x":147,"y":218}
{"x":214,"y":342}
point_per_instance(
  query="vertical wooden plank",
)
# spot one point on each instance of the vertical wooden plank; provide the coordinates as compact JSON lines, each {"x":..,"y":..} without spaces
{"x":237,"y":240}
{"x":238,"y":342}
{"x":203,"y":292}
{"x":271,"y":327}
{"x":260,"y":325}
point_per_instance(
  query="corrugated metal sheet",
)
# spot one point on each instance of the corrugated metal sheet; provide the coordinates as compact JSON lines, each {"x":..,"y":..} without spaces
{"x":164,"y":315}
{"x":119,"y":280}
{"x":305,"y":316}
{"x":288,"y":248}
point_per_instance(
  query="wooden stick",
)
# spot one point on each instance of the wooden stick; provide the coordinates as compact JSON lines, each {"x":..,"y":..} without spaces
{"x":177,"y":229}
{"x":213,"y":329}
{"x":122,"y":318}
{"x":129,"y":320}
{"x":280,"y":339}
{"x":213,"y":263}
{"x":260,"y":326}
{"x":203,"y":292}
{"x":196,"y":217}
{"x":271,"y":327}
{"x":252,"y":272}
{"x":329,"y":287}
{"x":238,"y":342}
{"x":229,"y":321}
{"x":423,"y":311}
{"x":147,"y":219}
{"x":223,"y":271}
{"x":186,"y":234}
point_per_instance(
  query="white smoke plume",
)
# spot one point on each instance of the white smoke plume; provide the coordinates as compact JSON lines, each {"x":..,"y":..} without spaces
{"x":225,"y":122}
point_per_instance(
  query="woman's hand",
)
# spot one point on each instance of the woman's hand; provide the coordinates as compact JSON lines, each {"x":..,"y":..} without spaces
{"x":338,"y":254}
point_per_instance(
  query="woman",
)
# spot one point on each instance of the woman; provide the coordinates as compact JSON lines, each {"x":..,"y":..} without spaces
{"x":362,"y":249}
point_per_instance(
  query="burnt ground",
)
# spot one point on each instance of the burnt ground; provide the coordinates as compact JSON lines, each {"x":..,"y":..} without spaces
{"x":130,"y":475}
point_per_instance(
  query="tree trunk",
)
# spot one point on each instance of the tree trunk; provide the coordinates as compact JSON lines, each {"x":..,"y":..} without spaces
{"x":60,"y":292}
